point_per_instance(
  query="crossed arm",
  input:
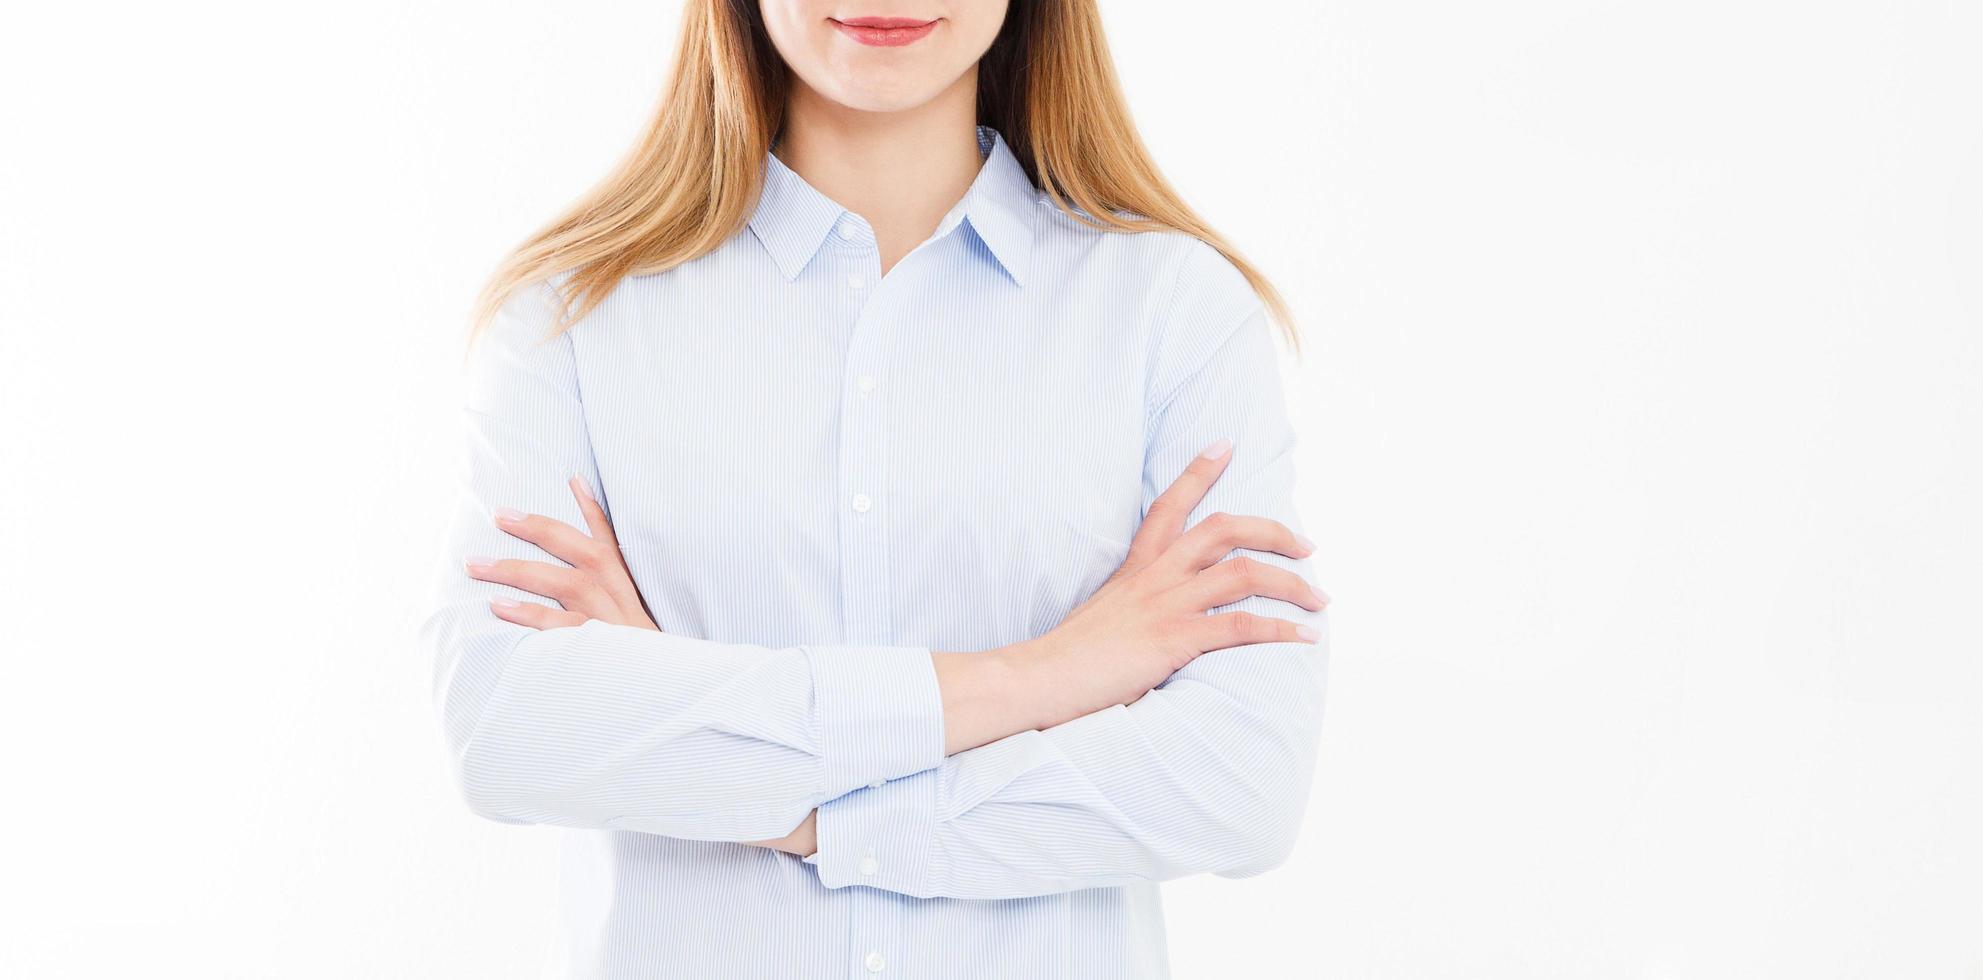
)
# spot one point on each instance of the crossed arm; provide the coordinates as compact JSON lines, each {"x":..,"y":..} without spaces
{"x":609,"y":725}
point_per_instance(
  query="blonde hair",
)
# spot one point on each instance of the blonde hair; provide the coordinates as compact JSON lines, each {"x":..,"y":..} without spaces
{"x":1047,"y":84}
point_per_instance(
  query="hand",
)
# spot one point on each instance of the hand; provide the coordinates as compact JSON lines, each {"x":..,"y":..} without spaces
{"x":596,"y":586}
{"x":1148,"y":620}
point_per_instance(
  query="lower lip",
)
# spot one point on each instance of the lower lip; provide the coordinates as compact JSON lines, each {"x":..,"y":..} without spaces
{"x":886,"y":37}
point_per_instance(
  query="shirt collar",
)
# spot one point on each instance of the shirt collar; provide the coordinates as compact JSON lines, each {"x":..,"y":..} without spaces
{"x":793,"y":218}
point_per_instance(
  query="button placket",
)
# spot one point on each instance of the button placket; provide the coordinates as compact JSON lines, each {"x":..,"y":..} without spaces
{"x":874,"y":920}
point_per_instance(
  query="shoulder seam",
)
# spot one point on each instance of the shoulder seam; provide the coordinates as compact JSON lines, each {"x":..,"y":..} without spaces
{"x":1226,"y":337}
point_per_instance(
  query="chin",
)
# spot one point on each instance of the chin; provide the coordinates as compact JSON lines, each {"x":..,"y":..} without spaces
{"x":883,"y":97}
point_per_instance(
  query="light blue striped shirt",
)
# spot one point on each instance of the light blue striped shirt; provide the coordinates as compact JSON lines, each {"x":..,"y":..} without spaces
{"x":818,"y":475}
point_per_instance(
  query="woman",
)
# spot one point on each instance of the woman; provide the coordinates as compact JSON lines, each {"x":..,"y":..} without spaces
{"x":911,"y":420}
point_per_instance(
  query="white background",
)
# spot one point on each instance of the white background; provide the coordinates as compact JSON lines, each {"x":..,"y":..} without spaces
{"x":1641,"y":416}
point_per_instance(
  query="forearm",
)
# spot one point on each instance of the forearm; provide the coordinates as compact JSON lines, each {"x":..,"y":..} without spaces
{"x":602,"y":725}
{"x":610,"y":726}
{"x":986,"y":696}
{"x":1207,"y":774}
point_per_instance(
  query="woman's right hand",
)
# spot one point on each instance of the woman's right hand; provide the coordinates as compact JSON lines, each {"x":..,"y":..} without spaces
{"x":1148,"y":620}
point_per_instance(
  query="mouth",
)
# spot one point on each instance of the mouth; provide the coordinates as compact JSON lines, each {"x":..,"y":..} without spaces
{"x":885,"y":32}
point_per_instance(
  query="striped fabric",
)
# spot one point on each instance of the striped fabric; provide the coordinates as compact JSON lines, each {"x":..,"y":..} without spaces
{"x":818,"y":475}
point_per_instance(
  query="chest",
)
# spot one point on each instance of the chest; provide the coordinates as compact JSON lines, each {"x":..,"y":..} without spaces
{"x":978,"y":467}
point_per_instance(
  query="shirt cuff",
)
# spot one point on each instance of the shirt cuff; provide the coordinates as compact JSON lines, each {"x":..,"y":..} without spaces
{"x":878,"y":836}
{"x":880,"y":713}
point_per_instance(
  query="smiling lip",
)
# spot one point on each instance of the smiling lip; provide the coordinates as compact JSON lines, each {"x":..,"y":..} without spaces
{"x":885,"y":32}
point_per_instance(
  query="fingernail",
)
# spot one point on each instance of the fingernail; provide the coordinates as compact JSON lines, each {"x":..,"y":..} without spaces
{"x":479,"y":563}
{"x":505,"y":603}
{"x":1303,"y":541}
{"x":578,"y":482}
{"x":507,"y":514}
{"x":1321,"y":597}
{"x":1307,"y":633}
{"x":1217,"y":449}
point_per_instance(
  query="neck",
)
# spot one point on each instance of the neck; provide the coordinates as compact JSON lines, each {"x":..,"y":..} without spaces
{"x":899,"y":170}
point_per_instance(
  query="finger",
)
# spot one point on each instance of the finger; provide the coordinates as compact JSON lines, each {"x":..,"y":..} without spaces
{"x":1238,"y":578}
{"x":1238,"y":629}
{"x":1165,"y":519}
{"x":573,"y":589}
{"x":595,"y":515}
{"x":1219,"y":533}
{"x":563,"y":541}
{"x":610,"y":562}
{"x":534,"y":615}
{"x":599,"y":560}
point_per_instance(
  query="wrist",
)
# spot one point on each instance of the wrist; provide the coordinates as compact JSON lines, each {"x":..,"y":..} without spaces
{"x":1028,"y":667}
{"x":1060,"y":679}
{"x":805,"y":840}
{"x":987,"y":695}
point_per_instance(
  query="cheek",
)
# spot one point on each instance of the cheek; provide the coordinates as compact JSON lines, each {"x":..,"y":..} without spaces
{"x":977,"y":23}
{"x":799,"y":32}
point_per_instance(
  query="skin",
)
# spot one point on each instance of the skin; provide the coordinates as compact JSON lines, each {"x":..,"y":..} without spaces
{"x":890,"y":133}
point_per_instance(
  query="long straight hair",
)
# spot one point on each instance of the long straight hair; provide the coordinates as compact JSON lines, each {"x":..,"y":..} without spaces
{"x":1047,"y":84}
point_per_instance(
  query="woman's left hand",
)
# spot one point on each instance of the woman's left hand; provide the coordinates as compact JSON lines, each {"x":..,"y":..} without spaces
{"x":596,"y":586}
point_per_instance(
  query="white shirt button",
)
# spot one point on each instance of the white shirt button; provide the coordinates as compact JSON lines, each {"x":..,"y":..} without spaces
{"x":874,"y":962}
{"x":869,"y":865}
{"x":862,"y":502}
{"x":866,"y":383}
{"x":877,"y":784}
{"x":856,"y":281}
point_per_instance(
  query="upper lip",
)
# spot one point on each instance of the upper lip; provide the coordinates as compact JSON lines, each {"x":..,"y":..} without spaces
{"x":883,"y":21}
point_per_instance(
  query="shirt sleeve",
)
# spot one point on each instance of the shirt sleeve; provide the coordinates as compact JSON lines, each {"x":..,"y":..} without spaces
{"x":1208,"y":772}
{"x":601,"y":725}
